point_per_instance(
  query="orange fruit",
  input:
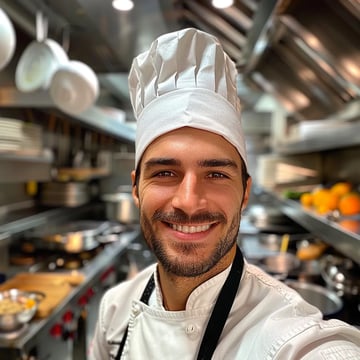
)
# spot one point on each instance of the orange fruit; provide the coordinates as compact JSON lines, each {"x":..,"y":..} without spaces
{"x":341,"y":188}
{"x":350,"y":224}
{"x":322,"y":209}
{"x":306,"y":199}
{"x":318,"y":196}
{"x":325,"y":200}
{"x":349,"y":204}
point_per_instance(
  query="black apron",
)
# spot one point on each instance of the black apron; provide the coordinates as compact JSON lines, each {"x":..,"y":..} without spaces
{"x":218,"y":316}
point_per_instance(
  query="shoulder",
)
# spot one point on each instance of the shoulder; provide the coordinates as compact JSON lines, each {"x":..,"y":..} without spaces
{"x":286,"y":325}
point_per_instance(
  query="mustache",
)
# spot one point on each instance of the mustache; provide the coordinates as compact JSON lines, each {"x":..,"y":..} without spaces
{"x":180,"y":217}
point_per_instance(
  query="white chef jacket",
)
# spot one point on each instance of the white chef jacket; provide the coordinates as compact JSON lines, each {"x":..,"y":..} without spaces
{"x":267,"y":321}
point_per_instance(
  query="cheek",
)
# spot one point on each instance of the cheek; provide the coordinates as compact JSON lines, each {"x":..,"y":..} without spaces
{"x":151,"y":197}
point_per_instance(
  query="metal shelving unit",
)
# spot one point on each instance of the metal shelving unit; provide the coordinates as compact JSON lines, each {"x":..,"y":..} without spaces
{"x":344,"y":136}
{"x":345,"y":241}
{"x":23,"y":166}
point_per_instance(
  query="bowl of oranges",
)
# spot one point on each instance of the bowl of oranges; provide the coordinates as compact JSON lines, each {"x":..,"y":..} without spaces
{"x":341,"y":197}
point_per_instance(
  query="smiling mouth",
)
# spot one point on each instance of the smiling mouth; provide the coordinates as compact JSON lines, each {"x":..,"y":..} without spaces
{"x":190,"y":229}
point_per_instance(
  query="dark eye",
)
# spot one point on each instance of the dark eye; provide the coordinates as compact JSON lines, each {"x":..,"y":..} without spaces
{"x":217,"y":175}
{"x":164,"y":173}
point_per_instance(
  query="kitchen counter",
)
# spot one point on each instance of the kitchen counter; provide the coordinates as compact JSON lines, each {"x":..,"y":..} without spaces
{"x":14,"y":345}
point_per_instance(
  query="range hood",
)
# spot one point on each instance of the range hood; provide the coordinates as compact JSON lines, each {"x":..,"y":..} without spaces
{"x":303,"y":52}
{"x":312,"y":60}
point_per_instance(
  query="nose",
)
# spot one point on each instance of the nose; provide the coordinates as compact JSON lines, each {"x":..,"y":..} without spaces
{"x":190,"y":195}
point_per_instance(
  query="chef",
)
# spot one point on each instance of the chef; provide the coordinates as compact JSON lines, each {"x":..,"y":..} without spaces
{"x":201,"y":300}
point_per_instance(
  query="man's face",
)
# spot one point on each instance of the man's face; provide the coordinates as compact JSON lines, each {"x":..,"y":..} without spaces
{"x":190,"y":196}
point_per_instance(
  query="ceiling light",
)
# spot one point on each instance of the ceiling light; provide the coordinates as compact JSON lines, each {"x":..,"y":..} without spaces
{"x":222,"y":4}
{"x":122,"y":5}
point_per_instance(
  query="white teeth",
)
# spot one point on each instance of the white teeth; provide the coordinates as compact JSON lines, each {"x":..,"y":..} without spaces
{"x":190,"y":229}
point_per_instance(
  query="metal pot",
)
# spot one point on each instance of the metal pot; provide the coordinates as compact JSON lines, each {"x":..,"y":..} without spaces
{"x":273,"y":241}
{"x":341,"y":274}
{"x":280,"y":265}
{"x":121,"y":207}
{"x":327,"y":301}
{"x":74,"y":237}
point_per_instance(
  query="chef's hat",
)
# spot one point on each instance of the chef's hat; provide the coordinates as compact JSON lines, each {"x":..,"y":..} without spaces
{"x":185,"y":79}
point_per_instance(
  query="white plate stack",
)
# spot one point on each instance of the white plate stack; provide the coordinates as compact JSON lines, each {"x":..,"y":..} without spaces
{"x":19,"y":136}
{"x":10,"y":135}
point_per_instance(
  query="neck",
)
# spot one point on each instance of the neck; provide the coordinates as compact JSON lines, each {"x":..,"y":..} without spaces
{"x":176,"y":289}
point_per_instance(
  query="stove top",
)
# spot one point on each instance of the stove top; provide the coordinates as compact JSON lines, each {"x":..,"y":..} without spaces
{"x":31,"y":255}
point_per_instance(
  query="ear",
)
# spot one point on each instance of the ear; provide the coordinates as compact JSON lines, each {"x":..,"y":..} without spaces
{"x":247,"y":193}
{"x":135,"y":190}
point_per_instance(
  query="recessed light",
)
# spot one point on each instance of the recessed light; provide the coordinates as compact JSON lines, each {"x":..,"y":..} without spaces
{"x":122,"y":5}
{"x":222,"y":4}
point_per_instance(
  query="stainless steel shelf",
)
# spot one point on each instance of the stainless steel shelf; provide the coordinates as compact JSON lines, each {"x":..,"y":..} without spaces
{"x":345,"y":241}
{"x":45,"y":156}
{"x":25,"y":166}
{"x":342,"y":137}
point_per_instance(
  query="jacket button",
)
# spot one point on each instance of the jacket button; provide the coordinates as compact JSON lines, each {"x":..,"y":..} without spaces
{"x":191,"y":330}
{"x":136,"y":309}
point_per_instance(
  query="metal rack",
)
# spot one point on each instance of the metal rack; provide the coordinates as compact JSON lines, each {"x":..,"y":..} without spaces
{"x":22,"y":166}
{"x":345,"y":241}
{"x":346,"y":136}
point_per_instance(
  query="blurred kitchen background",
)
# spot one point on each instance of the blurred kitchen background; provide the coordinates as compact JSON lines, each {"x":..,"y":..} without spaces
{"x":67,"y":148}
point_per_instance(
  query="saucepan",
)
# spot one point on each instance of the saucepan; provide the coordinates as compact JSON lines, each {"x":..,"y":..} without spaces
{"x":280,"y":264}
{"x":39,"y":61}
{"x":74,"y":237}
{"x":120,"y":207}
{"x":38,"y":64}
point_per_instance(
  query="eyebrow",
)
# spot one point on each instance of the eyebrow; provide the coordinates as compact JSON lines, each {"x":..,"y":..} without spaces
{"x":202,"y":163}
{"x":218,"y":163}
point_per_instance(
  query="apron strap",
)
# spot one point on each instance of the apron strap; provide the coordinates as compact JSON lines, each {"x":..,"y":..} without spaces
{"x":221,"y":309}
{"x":219,"y":314}
{"x":150,"y":286}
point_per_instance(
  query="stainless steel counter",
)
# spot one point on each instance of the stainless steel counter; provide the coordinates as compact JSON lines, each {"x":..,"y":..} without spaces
{"x":26,"y":342}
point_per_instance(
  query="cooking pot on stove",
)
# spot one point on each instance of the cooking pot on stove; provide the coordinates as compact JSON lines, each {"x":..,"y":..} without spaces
{"x":280,"y":264}
{"x":121,"y":207}
{"x":327,"y":301}
{"x":73,"y":237}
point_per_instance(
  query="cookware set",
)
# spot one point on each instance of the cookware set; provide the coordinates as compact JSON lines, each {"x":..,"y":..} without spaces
{"x":319,"y":274}
{"x":44,"y":65}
